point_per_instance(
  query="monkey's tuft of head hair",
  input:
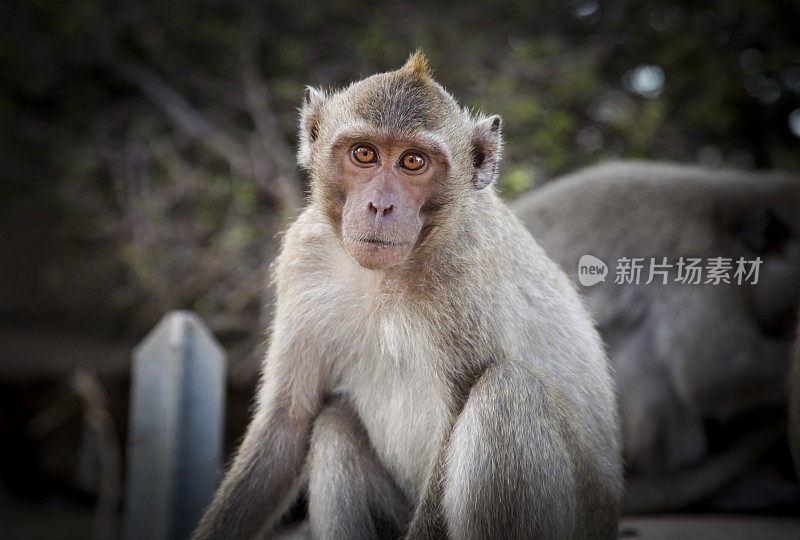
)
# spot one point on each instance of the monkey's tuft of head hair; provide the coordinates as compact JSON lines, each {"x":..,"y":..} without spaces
{"x":418,"y":65}
{"x":403,"y":101}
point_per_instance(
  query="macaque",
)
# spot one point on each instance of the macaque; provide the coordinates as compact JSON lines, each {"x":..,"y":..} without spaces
{"x":683,"y":353}
{"x":431,"y":373}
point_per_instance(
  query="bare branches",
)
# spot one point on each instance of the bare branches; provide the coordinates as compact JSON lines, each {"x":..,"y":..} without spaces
{"x":185,"y":116}
{"x":268,"y":135}
{"x":266,"y":164}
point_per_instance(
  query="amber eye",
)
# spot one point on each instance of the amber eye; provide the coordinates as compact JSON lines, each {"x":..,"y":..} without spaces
{"x":412,"y":161}
{"x":364,"y":154}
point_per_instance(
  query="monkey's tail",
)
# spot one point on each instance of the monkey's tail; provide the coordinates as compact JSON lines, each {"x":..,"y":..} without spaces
{"x":659,"y":494}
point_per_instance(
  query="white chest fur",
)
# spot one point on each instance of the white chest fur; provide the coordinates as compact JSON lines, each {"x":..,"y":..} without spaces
{"x":383,"y":357}
{"x":390,"y":379}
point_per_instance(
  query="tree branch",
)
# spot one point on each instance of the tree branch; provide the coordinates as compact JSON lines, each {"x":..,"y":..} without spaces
{"x":185,"y":116}
{"x":270,"y":138}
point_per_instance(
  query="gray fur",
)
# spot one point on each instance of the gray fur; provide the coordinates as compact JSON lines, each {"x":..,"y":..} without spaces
{"x":682,"y":353}
{"x":514,"y":416}
{"x":351,"y":494}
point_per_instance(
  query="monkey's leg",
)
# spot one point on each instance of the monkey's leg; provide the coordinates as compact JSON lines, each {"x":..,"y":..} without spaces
{"x":350,"y":493}
{"x":517,"y":464}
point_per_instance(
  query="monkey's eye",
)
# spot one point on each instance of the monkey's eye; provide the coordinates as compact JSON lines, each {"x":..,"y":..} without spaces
{"x":365,"y":154}
{"x":412,"y":161}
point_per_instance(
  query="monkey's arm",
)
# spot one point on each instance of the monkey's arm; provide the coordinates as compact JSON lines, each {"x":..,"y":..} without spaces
{"x":266,"y":473}
{"x":478,"y":486}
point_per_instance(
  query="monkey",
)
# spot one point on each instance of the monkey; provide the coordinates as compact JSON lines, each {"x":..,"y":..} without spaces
{"x":430,"y":373}
{"x":683,"y":354}
{"x":794,"y":403}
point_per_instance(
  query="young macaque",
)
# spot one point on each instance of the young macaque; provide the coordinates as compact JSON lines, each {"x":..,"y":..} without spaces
{"x":431,"y":373}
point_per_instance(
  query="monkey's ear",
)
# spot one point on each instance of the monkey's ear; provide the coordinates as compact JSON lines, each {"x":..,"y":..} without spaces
{"x":310,"y":114}
{"x":487,"y":144}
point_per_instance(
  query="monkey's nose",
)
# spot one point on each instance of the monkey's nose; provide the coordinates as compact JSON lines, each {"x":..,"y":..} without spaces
{"x":379,"y":209}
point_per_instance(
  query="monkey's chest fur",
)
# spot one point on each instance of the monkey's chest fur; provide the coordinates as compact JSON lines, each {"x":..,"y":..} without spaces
{"x":388,"y":374}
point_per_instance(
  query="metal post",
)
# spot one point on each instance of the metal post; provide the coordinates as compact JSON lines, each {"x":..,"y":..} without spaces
{"x":176,"y":427}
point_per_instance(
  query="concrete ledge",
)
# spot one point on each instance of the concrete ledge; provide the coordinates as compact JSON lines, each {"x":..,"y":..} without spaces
{"x":709,"y":527}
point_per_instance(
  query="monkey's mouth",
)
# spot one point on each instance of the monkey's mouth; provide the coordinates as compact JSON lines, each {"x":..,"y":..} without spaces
{"x":381,"y":242}
{"x":376,"y":253}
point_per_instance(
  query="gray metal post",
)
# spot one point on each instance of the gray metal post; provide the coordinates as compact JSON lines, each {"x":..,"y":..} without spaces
{"x":176,"y":425}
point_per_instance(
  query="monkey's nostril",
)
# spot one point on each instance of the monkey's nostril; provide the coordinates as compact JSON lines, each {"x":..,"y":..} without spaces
{"x":379,"y":209}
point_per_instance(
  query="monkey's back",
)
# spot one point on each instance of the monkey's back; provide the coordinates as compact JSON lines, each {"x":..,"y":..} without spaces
{"x":621,"y":207}
{"x":640,"y":209}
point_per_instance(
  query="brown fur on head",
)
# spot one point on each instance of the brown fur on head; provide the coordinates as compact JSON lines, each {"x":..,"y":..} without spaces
{"x":382,"y":211}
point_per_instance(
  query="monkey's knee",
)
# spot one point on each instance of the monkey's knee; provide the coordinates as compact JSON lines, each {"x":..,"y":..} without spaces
{"x":515,"y":466}
{"x":336,"y":428}
{"x":338,"y":441}
{"x":350,"y":494}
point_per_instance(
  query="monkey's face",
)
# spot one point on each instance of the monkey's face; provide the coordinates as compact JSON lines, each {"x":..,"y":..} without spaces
{"x":383,"y":187}
{"x":393,"y":160}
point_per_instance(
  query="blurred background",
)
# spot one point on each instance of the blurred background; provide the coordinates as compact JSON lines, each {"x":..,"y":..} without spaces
{"x":147,"y":164}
